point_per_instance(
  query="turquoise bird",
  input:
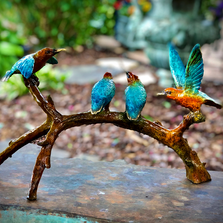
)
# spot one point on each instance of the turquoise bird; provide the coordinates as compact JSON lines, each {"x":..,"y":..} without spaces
{"x":135,"y":96}
{"x":188,"y":81}
{"x":32,"y":63}
{"x":102,"y":94}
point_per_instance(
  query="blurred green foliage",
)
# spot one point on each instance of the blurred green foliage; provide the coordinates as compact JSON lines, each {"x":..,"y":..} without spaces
{"x":52,"y":23}
{"x":65,"y":23}
{"x":13,"y":88}
{"x":206,"y":6}
{"x":11,"y":38}
{"x":52,"y":79}
{"x":49,"y":79}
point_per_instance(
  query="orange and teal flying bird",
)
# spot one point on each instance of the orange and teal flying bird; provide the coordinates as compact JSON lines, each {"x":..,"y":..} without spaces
{"x":102,"y":94}
{"x":32,"y":63}
{"x":188,"y":81}
{"x":135,"y":96}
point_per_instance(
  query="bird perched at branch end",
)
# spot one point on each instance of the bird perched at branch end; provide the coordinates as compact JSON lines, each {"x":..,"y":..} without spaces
{"x":102,"y":94}
{"x":188,"y":81}
{"x":135,"y":96}
{"x":32,"y":63}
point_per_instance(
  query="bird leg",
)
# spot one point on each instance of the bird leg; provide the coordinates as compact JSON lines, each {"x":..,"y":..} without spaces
{"x":34,"y":80}
{"x":197,"y":116}
{"x":107,"y":107}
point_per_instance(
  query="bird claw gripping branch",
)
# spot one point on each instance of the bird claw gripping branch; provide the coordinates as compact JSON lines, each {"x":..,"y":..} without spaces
{"x":197,"y":116}
{"x":102,"y":94}
{"x":34,"y":80}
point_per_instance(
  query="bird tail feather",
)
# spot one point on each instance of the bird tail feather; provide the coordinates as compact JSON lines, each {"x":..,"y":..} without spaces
{"x":94,"y":112}
{"x":7,"y":76}
{"x":213,"y":103}
{"x":130,"y":118}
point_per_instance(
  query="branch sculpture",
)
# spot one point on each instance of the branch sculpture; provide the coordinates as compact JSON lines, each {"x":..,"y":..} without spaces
{"x":56,"y":123}
{"x":187,"y":91}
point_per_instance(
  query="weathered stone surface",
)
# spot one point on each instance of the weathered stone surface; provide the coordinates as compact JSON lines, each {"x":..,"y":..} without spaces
{"x":59,"y":153}
{"x":138,"y":55}
{"x":165,"y":78}
{"x":122,"y":64}
{"x":88,"y":157}
{"x":3,"y":145}
{"x":88,"y":74}
{"x":213,"y":74}
{"x":56,"y":153}
{"x":87,"y":191}
{"x":145,"y":77}
{"x":107,"y":42}
{"x":213,"y":61}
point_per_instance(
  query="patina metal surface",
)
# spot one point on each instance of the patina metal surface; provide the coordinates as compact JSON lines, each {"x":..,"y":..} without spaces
{"x":106,"y":192}
{"x":56,"y":123}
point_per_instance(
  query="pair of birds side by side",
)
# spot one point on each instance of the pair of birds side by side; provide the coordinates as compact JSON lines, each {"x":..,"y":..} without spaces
{"x":188,"y":81}
{"x":30,"y":64}
{"x":104,"y":90}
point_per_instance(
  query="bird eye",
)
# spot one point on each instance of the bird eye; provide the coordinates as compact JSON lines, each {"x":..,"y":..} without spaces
{"x":48,"y":52}
{"x":168,"y":92}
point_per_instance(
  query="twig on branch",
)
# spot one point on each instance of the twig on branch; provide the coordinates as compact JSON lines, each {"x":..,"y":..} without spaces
{"x":56,"y":123}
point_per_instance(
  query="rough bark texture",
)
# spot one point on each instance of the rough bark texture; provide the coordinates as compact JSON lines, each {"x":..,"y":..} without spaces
{"x":56,"y":123}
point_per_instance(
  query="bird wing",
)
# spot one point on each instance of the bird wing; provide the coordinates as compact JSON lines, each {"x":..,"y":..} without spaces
{"x":25,"y":65}
{"x":194,"y":70}
{"x":52,"y":60}
{"x":135,"y":101}
{"x":109,"y":91}
{"x":177,"y":67}
{"x":101,"y":94}
{"x":97,"y":102}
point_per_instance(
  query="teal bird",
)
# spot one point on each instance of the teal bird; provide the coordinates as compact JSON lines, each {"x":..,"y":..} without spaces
{"x":32,"y":63}
{"x":135,"y":96}
{"x":102,"y":94}
{"x":188,"y":81}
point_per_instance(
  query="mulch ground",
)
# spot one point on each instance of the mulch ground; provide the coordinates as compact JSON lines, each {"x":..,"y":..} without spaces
{"x":110,"y":142}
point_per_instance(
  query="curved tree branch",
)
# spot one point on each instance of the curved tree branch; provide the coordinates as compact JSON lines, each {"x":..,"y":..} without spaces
{"x":56,"y":123}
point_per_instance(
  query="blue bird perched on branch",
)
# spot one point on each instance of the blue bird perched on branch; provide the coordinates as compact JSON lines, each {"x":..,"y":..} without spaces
{"x":102,"y":94}
{"x":135,"y":96}
{"x":32,"y":63}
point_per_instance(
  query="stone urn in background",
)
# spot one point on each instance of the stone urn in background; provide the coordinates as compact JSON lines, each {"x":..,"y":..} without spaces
{"x":177,"y":21}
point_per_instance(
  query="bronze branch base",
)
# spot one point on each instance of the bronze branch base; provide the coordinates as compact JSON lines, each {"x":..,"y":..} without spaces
{"x":56,"y":123}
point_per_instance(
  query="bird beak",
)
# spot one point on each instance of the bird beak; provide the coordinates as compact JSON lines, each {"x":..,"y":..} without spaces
{"x":59,"y":50}
{"x":127,"y":74}
{"x":162,"y":93}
